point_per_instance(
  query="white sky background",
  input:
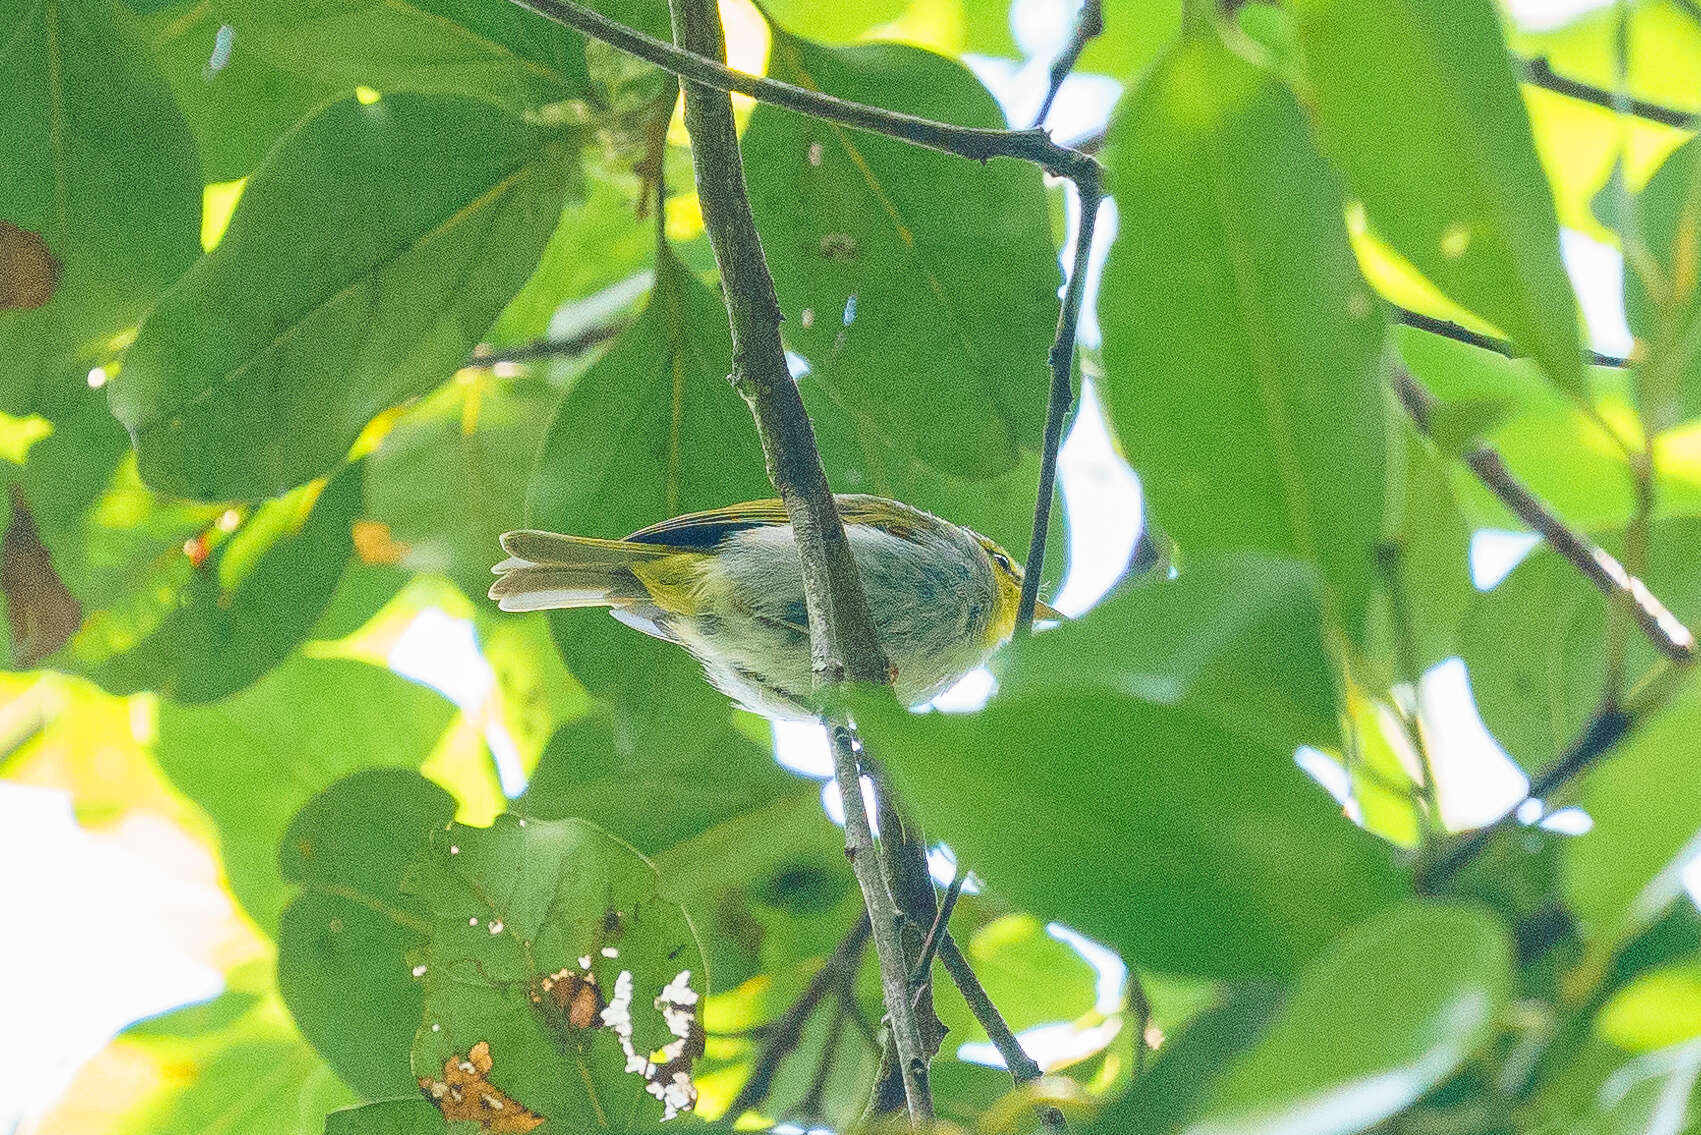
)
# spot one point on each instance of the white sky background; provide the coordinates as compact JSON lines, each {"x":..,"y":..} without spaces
{"x":100,"y":942}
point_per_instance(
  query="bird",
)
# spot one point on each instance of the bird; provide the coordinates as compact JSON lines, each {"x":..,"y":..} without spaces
{"x":727,"y":585}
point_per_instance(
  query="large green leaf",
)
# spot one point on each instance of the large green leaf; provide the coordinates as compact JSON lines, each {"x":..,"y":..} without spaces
{"x":500,"y":52}
{"x":1236,"y":638}
{"x":237,"y":102}
{"x":368,"y":254}
{"x":1660,"y":293}
{"x":921,"y":288}
{"x":240,"y":611}
{"x":654,"y":429}
{"x":1189,"y":844}
{"x":740,"y":841}
{"x":387,"y":1117}
{"x":348,"y":941}
{"x":521,"y":912}
{"x":100,"y":175}
{"x":254,"y":759}
{"x":1418,"y":106}
{"x":451,"y":477}
{"x":1241,"y":347}
{"x":1390,"y":1011}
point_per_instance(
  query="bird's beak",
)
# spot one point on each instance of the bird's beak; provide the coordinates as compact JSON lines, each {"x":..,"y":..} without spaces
{"x":1044,"y":610}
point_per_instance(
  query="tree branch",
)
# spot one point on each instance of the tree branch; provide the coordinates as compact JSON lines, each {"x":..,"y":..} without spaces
{"x":1668,"y":634}
{"x":1022,"y":1067}
{"x":571,"y":346}
{"x":1539,"y":73}
{"x":781,"y":1038}
{"x":1502,"y":347}
{"x":697,"y":67}
{"x":1090,"y":191}
{"x":842,"y":638}
{"x":1089,"y":22}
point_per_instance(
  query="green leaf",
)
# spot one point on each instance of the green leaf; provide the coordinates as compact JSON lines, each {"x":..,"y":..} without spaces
{"x":1241,"y":347}
{"x":520,"y":901}
{"x":1390,"y":1011}
{"x":500,"y":52}
{"x":1660,"y":295}
{"x":254,"y":759}
{"x":1174,"y":1090}
{"x":236,"y":1065}
{"x":920,"y":288}
{"x":654,"y":429}
{"x":238,"y":108}
{"x":100,"y":167}
{"x":1207,"y":850}
{"x":1418,"y":106}
{"x":347,"y":942}
{"x":367,"y":255}
{"x":451,"y":477}
{"x":838,"y":23}
{"x":243,"y":609}
{"x":740,"y":841}
{"x":387,"y":1117}
{"x":1134,"y":35}
{"x":1236,"y":638}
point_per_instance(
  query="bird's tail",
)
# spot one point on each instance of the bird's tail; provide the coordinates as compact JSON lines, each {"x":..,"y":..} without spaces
{"x":545,"y":571}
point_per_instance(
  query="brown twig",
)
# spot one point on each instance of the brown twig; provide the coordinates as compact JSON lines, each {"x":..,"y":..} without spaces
{"x":1502,"y":347}
{"x":1664,"y":630}
{"x":1061,"y":396}
{"x":565,"y":348}
{"x":780,"y":1038}
{"x":1089,"y":23}
{"x":1022,"y":1067}
{"x":941,"y":921}
{"x":842,"y":637}
{"x":698,"y":67}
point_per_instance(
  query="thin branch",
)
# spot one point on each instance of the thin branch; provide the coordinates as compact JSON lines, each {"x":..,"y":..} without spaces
{"x":1603,"y":732}
{"x":1539,"y":73}
{"x":1668,"y":634}
{"x":842,"y":638}
{"x":571,"y":346}
{"x":1089,"y":23}
{"x":781,"y":1038}
{"x":696,"y":66}
{"x":1090,"y":192}
{"x":930,"y":944}
{"x":1502,"y":347}
{"x":1022,"y":1067}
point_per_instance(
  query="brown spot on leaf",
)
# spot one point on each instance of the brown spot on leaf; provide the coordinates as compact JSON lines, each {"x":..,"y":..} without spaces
{"x":465,"y":1094}
{"x":840,"y":246}
{"x":28,"y":271}
{"x":574,"y":993}
{"x":41,"y":610}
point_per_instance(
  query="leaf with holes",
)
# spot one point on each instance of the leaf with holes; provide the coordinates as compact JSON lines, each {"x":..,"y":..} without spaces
{"x":560,"y":973}
{"x":920,"y":288}
{"x":100,"y":206}
{"x":367,"y":256}
{"x":1241,"y":346}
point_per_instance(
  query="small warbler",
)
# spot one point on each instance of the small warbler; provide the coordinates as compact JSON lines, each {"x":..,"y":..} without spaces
{"x":727,"y":585}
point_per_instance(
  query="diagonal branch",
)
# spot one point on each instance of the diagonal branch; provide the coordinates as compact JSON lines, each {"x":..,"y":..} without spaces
{"x":1539,"y":73}
{"x":842,"y":637}
{"x":1664,"y":630}
{"x":1089,"y":23}
{"x":697,"y":67}
{"x":1502,"y":347}
{"x":1022,"y":1068}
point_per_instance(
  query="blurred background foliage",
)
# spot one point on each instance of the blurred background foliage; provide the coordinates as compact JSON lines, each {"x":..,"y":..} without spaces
{"x":302,"y":305}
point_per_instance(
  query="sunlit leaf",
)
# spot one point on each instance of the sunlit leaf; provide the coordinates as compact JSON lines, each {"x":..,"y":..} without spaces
{"x":919,"y":287}
{"x":100,"y":167}
{"x":368,"y":254}
{"x":1661,"y":301}
{"x":254,"y":759}
{"x":1660,"y":1008}
{"x":1419,"y":107}
{"x":1241,"y":347}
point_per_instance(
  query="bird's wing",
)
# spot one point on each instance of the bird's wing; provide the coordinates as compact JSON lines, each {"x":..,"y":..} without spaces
{"x":701,"y":531}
